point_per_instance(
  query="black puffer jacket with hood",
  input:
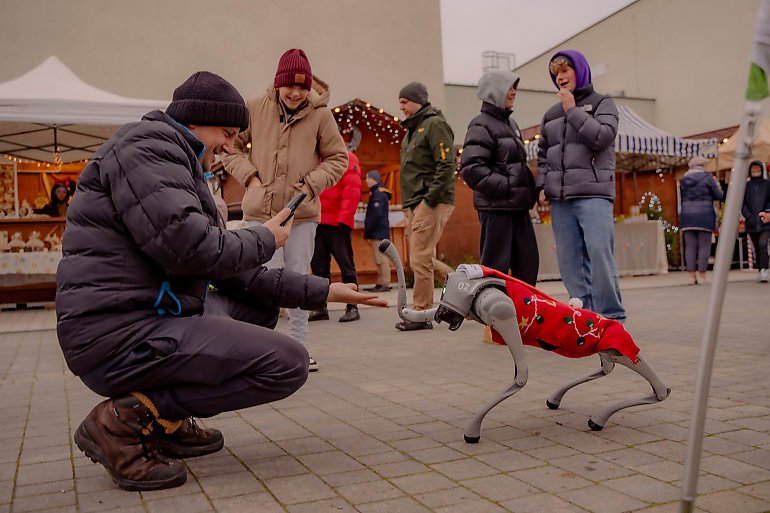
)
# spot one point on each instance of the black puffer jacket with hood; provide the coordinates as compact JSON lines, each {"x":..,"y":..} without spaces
{"x":494,"y":160}
{"x":143,"y":239}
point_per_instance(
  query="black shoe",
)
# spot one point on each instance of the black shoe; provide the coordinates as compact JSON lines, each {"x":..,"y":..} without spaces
{"x":412,"y":326}
{"x":351,"y":314}
{"x":319,"y":315}
{"x":378,"y":288}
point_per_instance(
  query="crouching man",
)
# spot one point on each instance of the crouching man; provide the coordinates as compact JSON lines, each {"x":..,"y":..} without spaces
{"x":159,"y":307}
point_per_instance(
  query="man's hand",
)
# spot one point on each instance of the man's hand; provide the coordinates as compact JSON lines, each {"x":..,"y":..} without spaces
{"x":281,"y":233}
{"x":566,"y":98}
{"x":254,"y":181}
{"x":347,"y":293}
{"x":764,"y":217}
{"x":543,"y":200}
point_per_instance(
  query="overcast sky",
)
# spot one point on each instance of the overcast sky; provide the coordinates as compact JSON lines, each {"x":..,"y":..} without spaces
{"x":525,"y":28}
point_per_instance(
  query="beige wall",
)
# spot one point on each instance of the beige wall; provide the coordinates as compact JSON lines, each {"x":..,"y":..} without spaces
{"x":530,"y":105}
{"x":691,"y":56}
{"x":145,"y":48}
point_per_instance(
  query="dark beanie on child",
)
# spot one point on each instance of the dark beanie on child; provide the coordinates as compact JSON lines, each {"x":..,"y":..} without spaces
{"x":207,"y":99}
{"x":415,"y":92}
{"x":294,"y":69}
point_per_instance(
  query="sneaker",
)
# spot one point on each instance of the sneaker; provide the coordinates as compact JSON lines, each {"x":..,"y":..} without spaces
{"x":764,"y":274}
{"x":378,"y":288}
{"x":412,"y":326}
{"x":313,"y":366}
{"x":351,"y":314}
{"x":319,"y":315}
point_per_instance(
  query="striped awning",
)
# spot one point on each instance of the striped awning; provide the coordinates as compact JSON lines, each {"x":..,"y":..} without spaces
{"x":637,"y":137}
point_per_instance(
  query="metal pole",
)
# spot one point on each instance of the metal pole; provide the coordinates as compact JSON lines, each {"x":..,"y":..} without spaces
{"x":724,"y":258}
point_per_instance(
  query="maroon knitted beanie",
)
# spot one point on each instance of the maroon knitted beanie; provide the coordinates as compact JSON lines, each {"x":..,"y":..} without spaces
{"x":294,"y":69}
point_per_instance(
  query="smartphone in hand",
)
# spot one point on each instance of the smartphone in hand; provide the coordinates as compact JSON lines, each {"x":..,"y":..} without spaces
{"x":292,"y":205}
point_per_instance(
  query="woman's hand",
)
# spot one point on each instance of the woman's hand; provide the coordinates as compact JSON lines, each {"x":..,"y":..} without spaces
{"x":347,"y":293}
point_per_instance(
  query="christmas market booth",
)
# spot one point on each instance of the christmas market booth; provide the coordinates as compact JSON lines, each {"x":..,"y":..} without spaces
{"x":51,"y":122}
{"x":649,"y":165}
{"x":375,"y":137}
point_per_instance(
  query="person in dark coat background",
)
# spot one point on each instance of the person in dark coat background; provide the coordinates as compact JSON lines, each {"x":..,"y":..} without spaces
{"x":377,"y":227}
{"x":137,"y":317}
{"x":756,"y":211}
{"x":60,"y":196}
{"x":697,"y":218}
{"x":494,"y":165}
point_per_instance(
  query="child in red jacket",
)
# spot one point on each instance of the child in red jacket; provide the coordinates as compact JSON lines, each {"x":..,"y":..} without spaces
{"x":334,"y":236}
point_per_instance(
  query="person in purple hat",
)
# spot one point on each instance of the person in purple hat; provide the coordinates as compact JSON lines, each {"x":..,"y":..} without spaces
{"x":576,"y":175}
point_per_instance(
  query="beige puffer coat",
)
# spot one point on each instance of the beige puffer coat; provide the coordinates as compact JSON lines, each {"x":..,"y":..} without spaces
{"x":285,"y":156}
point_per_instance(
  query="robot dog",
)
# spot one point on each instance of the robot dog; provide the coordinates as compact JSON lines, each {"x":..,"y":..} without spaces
{"x":522,"y":315}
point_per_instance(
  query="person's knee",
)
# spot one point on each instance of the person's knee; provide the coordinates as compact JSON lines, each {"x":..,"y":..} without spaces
{"x":290,"y":365}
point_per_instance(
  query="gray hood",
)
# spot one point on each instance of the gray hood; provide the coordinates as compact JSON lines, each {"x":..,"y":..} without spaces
{"x":494,"y":86}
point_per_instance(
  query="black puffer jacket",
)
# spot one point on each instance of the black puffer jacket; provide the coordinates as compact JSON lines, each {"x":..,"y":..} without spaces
{"x":576,"y":150}
{"x":756,"y":199}
{"x":494,"y":162}
{"x":143,"y":239}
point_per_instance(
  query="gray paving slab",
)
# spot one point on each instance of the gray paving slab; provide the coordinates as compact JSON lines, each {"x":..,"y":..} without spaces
{"x":379,"y":428}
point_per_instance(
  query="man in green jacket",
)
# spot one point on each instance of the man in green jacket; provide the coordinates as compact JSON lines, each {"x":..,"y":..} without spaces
{"x":427,"y":191}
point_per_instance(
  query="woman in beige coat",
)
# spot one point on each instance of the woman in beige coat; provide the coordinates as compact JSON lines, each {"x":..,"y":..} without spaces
{"x":295,"y":147}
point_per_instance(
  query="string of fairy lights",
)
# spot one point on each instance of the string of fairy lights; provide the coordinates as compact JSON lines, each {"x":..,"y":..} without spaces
{"x":39,"y":164}
{"x":385,"y":128}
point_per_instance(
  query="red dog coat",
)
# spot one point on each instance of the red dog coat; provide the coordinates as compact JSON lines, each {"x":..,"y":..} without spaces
{"x":546,"y":323}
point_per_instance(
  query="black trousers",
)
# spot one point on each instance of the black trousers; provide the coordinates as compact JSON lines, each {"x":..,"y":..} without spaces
{"x":226,"y":359}
{"x":759,"y":240}
{"x":508,"y":243}
{"x":337,"y":242}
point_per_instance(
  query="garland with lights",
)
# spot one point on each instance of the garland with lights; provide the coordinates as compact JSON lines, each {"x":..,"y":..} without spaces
{"x":357,"y":114}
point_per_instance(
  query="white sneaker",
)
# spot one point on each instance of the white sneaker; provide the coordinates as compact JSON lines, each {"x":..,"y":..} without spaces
{"x":313,"y":367}
{"x":764,"y":274}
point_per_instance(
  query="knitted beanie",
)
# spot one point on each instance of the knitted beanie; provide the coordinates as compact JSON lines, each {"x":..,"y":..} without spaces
{"x":414,"y":92}
{"x":374,"y":175}
{"x":294,"y":69}
{"x":697,"y":161}
{"x":207,"y":99}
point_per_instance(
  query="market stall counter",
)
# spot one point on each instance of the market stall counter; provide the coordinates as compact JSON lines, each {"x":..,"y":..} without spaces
{"x":640,"y":249}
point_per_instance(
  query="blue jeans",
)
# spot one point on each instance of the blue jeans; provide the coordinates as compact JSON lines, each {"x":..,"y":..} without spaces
{"x":585,"y":244}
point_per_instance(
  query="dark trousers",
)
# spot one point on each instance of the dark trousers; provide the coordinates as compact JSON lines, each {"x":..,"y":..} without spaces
{"x":226,"y":359}
{"x":508,"y":242}
{"x":337,"y":242}
{"x":697,"y":248}
{"x":759,"y":240}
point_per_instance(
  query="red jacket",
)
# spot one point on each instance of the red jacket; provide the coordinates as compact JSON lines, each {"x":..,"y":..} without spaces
{"x":340,"y":201}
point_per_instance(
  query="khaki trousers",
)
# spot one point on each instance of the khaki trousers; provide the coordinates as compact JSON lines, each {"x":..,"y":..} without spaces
{"x":382,"y":263}
{"x":423,"y":232}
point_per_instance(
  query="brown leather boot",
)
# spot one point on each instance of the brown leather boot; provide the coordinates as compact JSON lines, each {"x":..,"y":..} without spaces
{"x":121,"y":434}
{"x":191,"y":440}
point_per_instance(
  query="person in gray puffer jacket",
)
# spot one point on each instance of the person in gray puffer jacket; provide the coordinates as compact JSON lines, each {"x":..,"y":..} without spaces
{"x":137,"y":317}
{"x":576,"y":175}
{"x":494,"y":165}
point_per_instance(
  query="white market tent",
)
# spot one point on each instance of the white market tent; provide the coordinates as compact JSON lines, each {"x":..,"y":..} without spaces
{"x":641,"y":146}
{"x":50,"y":114}
{"x":760,"y":148}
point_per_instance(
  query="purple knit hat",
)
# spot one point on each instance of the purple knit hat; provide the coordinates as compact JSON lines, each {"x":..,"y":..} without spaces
{"x":579,"y":64}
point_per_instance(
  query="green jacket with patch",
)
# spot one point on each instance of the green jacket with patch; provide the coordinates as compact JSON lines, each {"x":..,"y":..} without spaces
{"x":427,"y":160}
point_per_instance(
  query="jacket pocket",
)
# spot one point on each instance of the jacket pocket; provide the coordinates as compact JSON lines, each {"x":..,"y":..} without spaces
{"x":256,"y":201}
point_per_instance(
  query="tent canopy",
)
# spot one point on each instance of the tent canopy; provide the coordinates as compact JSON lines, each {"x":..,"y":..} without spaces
{"x":50,"y":113}
{"x":641,"y":146}
{"x":760,"y":148}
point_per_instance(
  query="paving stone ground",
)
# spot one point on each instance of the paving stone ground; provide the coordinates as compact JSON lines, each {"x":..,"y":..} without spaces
{"x":379,"y":428}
